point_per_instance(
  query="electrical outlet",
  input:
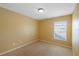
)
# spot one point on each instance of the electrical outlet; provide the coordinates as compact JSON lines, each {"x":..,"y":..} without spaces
{"x":13,"y":44}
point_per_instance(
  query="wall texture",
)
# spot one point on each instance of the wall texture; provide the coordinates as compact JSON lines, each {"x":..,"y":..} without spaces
{"x":75,"y":31}
{"x":46,"y":31}
{"x":16,"y":29}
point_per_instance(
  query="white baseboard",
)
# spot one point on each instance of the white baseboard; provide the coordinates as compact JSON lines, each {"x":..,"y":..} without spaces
{"x":10,"y":50}
{"x":44,"y":41}
{"x":54,"y":43}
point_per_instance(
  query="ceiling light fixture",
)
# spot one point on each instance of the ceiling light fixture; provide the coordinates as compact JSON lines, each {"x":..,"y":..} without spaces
{"x":41,"y":10}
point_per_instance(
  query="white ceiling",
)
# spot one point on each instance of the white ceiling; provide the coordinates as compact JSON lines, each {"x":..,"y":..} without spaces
{"x":50,"y":9}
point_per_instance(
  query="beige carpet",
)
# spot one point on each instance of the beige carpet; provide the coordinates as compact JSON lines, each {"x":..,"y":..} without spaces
{"x":41,"y":49}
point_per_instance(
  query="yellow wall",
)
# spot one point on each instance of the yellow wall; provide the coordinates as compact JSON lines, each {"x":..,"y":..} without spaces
{"x":75,"y":31}
{"x":16,"y":29}
{"x":46,"y":31}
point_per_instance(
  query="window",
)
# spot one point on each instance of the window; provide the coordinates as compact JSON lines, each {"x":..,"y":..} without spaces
{"x":60,"y":30}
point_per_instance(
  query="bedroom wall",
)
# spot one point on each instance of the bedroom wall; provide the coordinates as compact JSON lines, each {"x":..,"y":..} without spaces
{"x":46,"y":31}
{"x":16,"y":30}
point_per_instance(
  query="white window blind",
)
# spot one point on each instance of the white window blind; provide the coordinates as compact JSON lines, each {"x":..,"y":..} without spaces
{"x":60,"y":30}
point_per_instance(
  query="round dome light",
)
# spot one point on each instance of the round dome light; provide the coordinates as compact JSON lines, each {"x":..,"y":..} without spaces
{"x":41,"y":10}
